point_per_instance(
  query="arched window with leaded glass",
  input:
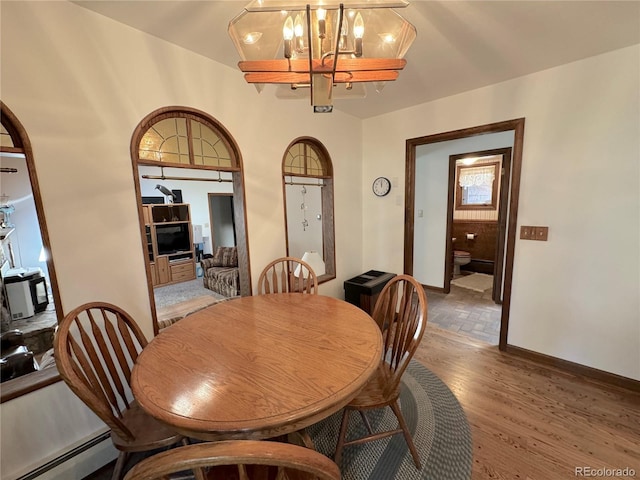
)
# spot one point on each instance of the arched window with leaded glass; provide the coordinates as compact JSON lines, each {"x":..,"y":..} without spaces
{"x":182,"y":139}
{"x":307,"y":183}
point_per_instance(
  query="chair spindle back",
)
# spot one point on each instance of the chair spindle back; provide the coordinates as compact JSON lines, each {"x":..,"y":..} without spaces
{"x":401,"y":314}
{"x":95,"y":347}
{"x":288,"y":274}
{"x":301,"y":462}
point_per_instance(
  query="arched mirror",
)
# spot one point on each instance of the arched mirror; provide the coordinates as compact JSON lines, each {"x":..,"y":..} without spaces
{"x":28,"y":286}
{"x":307,"y":184}
{"x":188,"y":173}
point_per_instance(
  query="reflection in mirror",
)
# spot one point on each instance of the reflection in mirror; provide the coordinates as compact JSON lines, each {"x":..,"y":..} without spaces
{"x":476,"y":184}
{"x":27,"y":280}
{"x":307,"y":176}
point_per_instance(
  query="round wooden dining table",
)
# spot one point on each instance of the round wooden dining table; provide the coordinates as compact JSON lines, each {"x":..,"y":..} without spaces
{"x":257,"y":367}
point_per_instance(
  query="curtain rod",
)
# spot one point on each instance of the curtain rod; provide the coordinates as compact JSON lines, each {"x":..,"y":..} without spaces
{"x":307,"y":184}
{"x":163,"y":177}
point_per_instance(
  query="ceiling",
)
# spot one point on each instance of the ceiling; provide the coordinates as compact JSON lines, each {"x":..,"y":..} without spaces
{"x":461,"y":45}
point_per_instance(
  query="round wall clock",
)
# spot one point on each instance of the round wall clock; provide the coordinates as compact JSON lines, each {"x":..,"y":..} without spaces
{"x":381,"y":186}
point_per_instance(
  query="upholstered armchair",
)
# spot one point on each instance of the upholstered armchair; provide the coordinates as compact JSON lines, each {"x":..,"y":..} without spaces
{"x":221,"y":273}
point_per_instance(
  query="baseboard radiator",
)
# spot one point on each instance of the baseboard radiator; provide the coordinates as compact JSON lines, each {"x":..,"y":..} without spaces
{"x":74,"y":452}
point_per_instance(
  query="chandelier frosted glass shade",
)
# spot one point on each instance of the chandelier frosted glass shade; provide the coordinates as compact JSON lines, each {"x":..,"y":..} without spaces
{"x":320,"y":45}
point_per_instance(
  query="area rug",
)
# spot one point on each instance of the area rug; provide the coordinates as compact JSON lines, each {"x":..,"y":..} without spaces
{"x":176,"y":301}
{"x":436,"y":421}
{"x":179,"y":292}
{"x":478,"y":282}
{"x":169,"y":315}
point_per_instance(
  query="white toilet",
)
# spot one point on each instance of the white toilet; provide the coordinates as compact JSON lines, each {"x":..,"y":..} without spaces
{"x":460,"y":257}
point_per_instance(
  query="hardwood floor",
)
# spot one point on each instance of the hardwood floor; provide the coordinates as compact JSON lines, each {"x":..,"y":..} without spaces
{"x":531,"y":421}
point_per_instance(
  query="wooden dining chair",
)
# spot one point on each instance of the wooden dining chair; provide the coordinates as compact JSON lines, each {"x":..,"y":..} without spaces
{"x":401,"y":314}
{"x":95,"y":347}
{"x":288,"y":274}
{"x":249,"y":459}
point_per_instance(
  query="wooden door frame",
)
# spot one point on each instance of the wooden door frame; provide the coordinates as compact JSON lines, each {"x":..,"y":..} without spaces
{"x":517,"y":125}
{"x":505,"y":173}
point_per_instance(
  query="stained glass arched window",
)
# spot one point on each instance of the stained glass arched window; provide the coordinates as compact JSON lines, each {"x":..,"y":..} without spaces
{"x":181,"y":138}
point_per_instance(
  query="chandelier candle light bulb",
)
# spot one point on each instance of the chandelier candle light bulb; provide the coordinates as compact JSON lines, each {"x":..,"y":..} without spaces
{"x":344,"y":34}
{"x":358,"y":33}
{"x":298,"y":30}
{"x":287,"y":35}
{"x":321,"y":13}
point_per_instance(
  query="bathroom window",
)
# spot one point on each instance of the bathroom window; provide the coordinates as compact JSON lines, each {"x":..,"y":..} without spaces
{"x":477,"y":186}
{"x":307,"y":183}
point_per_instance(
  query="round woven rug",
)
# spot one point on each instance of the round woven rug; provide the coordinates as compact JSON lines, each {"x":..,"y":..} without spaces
{"x":436,"y":421}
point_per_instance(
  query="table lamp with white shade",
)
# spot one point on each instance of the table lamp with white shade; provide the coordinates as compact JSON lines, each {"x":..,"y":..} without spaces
{"x":315,"y":261}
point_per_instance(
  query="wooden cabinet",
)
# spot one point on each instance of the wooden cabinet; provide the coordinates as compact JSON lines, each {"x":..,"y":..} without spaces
{"x":169,"y":239}
{"x":183,"y":271}
{"x":162,"y":267}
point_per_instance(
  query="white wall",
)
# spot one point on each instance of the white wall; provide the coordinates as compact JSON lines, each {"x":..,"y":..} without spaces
{"x":575,"y":297}
{"x":80,"y":83}
{"x":431,"y":192}
{"x":430,"y":217}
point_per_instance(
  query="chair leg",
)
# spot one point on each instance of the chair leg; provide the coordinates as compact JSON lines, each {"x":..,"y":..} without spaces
{"x":301,"y":438}
{"x":341,"y":438}
{"x":407,"y":436}
{"x":117,"y":470}
{"x":365,"y":420}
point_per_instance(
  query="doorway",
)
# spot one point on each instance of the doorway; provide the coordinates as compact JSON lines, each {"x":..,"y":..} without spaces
{"x":514,"y":128}
{"x":221,"y":218}
{"x":476,"y":216}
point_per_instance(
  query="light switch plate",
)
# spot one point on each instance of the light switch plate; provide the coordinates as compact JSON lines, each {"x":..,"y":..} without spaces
{"x":529,"y":232}
{"x":541,"y":233}
{"x":525,"y":232}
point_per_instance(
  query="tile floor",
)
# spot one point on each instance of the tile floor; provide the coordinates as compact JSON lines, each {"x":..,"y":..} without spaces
{"x":466,"y":312}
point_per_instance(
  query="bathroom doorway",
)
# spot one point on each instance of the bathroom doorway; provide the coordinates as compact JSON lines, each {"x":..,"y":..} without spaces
{"x":477,"y":215}
{"x":415,"y":189}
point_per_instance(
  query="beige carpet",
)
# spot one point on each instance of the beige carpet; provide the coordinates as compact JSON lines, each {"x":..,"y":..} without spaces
{"x":478,"y":282}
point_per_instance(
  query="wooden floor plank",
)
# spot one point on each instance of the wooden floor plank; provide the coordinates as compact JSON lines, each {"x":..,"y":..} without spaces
{"x":531,"y":421}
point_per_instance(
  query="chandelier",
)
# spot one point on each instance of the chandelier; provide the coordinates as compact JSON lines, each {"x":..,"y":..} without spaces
{"x":321,"y":45}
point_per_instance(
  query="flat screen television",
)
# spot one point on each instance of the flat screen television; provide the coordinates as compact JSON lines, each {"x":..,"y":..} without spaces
{"x":173,"y":238}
